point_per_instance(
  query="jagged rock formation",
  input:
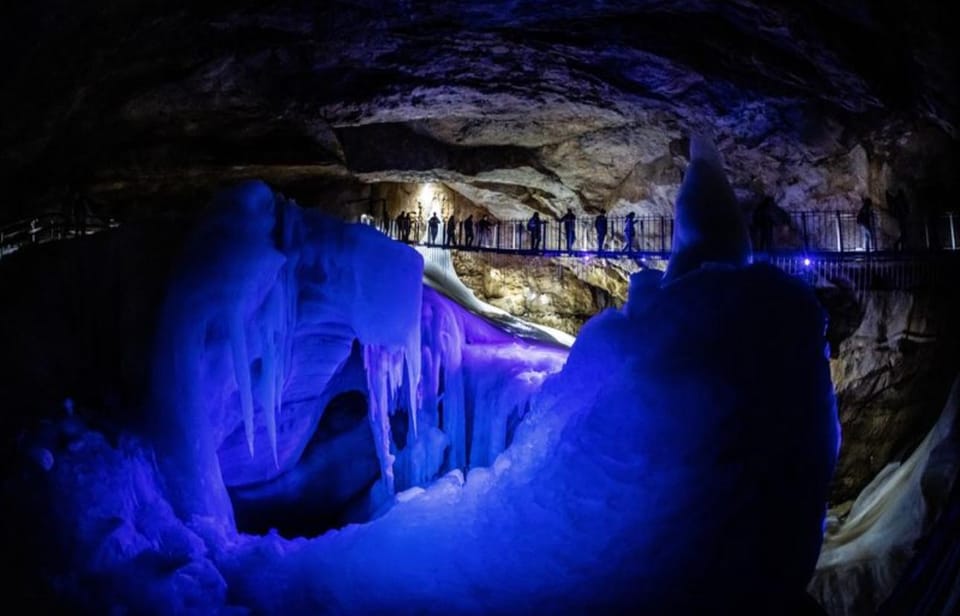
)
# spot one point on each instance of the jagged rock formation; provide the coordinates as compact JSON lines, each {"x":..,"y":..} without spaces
{"x":519,"y":106}
{"x":560,"y":293}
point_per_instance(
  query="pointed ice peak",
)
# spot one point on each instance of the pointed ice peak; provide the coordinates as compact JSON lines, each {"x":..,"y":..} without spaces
{"x":703,"y":148}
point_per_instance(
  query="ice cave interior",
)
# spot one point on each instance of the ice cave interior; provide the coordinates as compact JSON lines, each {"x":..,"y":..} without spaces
{"x":431,"y":307}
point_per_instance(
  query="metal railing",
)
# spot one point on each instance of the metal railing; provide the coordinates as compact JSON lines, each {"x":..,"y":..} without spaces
{"x":47,"y":228}
{"x":807,"y":231}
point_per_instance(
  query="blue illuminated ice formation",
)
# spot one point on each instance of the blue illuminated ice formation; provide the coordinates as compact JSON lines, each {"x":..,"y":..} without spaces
{"x":679,"y":461}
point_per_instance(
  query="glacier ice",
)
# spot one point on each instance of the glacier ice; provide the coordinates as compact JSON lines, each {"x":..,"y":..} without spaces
{"x":660,"y":455}
{"x":259,"y":278}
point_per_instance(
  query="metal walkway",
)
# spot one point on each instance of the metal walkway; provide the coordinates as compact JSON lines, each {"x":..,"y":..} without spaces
{"x":824,"y":248}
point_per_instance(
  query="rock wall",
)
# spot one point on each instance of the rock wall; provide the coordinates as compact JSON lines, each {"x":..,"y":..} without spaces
{"x":561,"y":293}
{"x":892,"y":377}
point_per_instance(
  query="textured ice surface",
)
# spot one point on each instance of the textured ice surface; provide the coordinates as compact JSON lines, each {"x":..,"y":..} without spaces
{"x":259,"y":278}
{"x":664,"y":457}
{"x":678,"y":462}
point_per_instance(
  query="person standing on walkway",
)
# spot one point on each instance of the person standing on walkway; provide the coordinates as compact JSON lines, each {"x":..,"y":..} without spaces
{"x":629,"y":231}
{"x":450,"y":238}
{"x":569,"y":222}
{"x":468,"y":230}
{"x":865,"y":218}
{"x":434,"y":224}
{"x":533,"y":226}
{"x":600,"y":224}
{"x":484,"y":226}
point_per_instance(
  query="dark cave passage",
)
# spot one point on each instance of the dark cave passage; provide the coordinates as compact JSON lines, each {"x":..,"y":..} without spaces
{"x":330,"y":485}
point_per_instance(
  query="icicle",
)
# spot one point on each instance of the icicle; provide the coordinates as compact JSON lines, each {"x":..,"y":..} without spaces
{"x":411,"y":358}
{"x":241,"y":370}
{"x":379,"y":402}
{"x":269,"y":384}
{"x":273,"y":326}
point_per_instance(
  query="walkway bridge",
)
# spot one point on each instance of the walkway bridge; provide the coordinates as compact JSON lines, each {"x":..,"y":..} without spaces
{"x":824,"y":248}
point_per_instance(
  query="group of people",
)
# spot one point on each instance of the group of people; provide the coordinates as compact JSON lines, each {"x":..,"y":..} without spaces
{"x":766,"y":218}
{"x":471,"y":232}
{"x":405,"y":224}
{"x":535,"y":226}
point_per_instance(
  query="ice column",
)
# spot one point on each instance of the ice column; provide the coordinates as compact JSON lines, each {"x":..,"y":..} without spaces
{"x":385,"y":371}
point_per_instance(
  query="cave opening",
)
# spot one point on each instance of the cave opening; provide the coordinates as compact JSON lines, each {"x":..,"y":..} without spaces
{"x":330,"y":486}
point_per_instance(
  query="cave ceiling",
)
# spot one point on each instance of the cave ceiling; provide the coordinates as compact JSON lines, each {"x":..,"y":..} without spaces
{"x":514,"y":105}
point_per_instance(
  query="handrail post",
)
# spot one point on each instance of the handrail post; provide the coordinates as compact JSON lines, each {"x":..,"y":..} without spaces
{"x":803,"y":223}
{"x":839,"y":232}
{"x":953,"y":232}
{"x":663,"y":244}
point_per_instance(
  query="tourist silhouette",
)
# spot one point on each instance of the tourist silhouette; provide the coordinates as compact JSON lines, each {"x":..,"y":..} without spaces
{"x":600,"y":224}
{"x":569,"y":222}
{"x":534,"y":227}
{"x":434,"y":224}
{"x":628,"y":232}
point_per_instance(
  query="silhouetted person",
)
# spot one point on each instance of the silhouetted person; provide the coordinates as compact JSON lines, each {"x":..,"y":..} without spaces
{"x":484,"y":226}
{"x":865,"y":218}
{"x":519,"y":225}
{"x":468,"y":230}
{"x":398,"y":221}
{"x":763,"y":222}
{"x":900,"y":209}
{"x":451,"y":231}
{"x":569,"y":223}
{"x":629,"y":230}
{"x":533,"y":226}
{"x":434,"y":224}
{"x":600,"y":224}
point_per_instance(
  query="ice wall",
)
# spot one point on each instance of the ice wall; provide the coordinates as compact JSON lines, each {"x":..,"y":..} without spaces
{"x":261,"y":282}
{"x":477,"y":383}
{"x":687,"y":444}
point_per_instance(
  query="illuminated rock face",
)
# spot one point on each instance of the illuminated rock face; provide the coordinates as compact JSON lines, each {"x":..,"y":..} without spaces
{"x":560,"y":293}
